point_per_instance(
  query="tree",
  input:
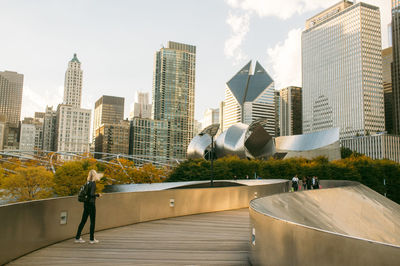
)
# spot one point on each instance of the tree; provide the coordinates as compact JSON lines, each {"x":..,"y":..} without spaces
{"x":72,"y":175}
{"x":121,"y":171}
{"x":148,"y":173}
{"x":30,"y":183}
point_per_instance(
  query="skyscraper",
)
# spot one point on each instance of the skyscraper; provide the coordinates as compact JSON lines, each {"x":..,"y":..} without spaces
{"x":141,"y":106}
{"x":72,"y":122}
{"x":249,"y":97}
{"x":173,"y":94}
{"x":49,"y":129}
{"x":110,"y":131}
{"x":112,"y":138}
{"x":396,"y":65}
{"x":211,"y":116}
{"x":73,"y":83}
{"x":11,"y":85}
{"x":149,"y":140}
{"x":108,"y":109}
{"x":342,"y":70}
{"x":387,"y":60}
{"x":290,"y":111}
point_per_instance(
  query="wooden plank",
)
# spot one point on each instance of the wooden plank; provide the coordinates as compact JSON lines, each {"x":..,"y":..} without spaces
{"x":219,"y":238}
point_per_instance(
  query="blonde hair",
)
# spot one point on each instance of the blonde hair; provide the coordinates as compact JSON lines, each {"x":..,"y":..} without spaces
{"x":93,"y":176}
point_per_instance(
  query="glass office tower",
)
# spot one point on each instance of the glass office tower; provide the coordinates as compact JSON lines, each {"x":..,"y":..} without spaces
{"x":173,"y":95}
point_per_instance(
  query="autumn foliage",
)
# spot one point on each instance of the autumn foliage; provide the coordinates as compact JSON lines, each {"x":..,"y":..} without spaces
{"x":27,"y":181}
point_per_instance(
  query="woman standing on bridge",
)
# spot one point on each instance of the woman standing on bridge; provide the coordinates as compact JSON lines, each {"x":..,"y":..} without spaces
{"x":89,"y":207}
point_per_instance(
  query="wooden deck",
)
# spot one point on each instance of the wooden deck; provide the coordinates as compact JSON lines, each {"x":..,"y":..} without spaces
{"x":219,"y":238}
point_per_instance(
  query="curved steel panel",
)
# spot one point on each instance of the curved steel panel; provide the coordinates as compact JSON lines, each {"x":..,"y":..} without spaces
{"x":309,"y":141}
{"x":315,"y":228}
{"x":231,"y":141}
{"x":198,"y":146}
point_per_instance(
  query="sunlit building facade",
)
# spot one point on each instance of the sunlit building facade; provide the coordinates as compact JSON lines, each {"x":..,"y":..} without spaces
{"x":11,"y":86}
{"x":141,"y":106}
{"x":73,"y":83}
{"x":342,"y":70}
{"x":248,"y":97}
{"x":173,"y":95}
{"x":72,"y":121}
{"x":149,"y":140}
{"x":378,"y":146}
{"x":107,"y":110}
{"x":112,"y":138}
{"x":211,"y":116}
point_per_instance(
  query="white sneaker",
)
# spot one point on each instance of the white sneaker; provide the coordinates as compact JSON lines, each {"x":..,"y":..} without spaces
{"x":80,"y":240}
{"x":94,"y":241}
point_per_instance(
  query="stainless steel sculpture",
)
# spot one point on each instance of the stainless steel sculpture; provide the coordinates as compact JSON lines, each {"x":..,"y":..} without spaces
{"x":254,"y":142}
{"x":322,"y":143}
{"x":200,"y":146}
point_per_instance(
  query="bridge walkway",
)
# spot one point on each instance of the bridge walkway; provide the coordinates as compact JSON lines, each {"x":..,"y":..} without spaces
{"x":219,"y":238}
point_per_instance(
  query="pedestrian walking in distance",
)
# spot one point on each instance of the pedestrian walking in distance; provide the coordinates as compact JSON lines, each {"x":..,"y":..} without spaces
{"x":89,"y":207}
{"x":295,"y":183}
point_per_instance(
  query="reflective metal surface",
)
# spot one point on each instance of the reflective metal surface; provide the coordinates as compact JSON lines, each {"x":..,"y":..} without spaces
{"x":199,"y":146}
{"x":309,"y":141}
{"x":231,"y":142}
{"x":349,"y":225}
{"x":253,"y":141}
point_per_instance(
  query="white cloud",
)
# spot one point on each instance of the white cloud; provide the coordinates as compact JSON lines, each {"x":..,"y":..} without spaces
{"x":240,"y":26}
{"x":36,"y":100}
{"x":285,"y":60}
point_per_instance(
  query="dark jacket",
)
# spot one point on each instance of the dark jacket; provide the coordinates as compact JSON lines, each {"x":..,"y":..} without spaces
{"x":92,"y":192}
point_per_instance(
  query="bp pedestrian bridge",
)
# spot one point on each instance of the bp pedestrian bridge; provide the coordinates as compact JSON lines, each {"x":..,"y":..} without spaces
{"x":245,"y":222}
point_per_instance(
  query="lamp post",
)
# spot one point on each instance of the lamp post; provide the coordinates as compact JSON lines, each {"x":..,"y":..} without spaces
{"x":211,"y":131}
{"x":212,"y":161}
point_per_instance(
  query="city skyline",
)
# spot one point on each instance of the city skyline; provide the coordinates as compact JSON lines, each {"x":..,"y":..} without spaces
{"x":106,"y":72}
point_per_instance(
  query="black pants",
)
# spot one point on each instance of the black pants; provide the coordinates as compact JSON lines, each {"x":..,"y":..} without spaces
{"x":89,"y":208}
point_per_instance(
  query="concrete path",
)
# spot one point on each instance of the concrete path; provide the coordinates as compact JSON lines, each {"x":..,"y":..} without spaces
{"x":219,"y":238}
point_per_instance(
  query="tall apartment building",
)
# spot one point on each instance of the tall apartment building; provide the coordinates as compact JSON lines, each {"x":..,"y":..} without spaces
{"x":112,"y":138}
{"x":290,"y":111}
{"x":49,"y":129}
{"x":149,"y":140}
{"x":173,"y":95}
{"x":387,"y":60}
{"x":110,"y":131}
{"x":342,"y":70}
{"x":396,"y":65}
{"x":11,"y":85}
{"x":141,"y":106}
{"x":72,"y":121}
{"x":211,"y":116}
{"x":31,"y":134}
{"x":249,"y":97}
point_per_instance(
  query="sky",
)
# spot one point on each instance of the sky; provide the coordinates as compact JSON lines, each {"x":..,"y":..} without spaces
{"x":116,"y":40}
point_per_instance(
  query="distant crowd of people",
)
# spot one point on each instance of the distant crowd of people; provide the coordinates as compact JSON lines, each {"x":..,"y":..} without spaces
{"x":308,"y":182}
